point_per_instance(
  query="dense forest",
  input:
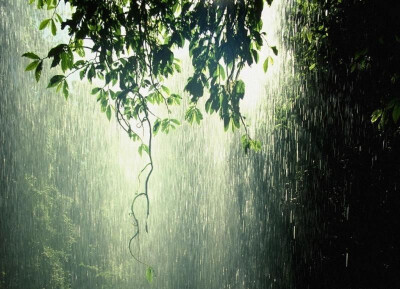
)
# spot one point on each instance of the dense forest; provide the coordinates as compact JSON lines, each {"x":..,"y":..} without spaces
{"x":347,"y":54}
{"x":303,"y":193}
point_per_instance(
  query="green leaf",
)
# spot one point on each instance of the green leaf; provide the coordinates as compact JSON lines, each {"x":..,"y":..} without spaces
{"x":65,"y":89}
{"x":108,"y":112}
{"x":227,"y":120}
{"x":199,"y":115}
{"x":133,"y":136}
{"x":53,"y":27}
{"x":240,"y":88}
{"x":255,"y":145}
{"x":245,"y":143}
{"x":376,"y":115}
{"x":64,"y":62}
{"x":193,"y":114}
{"x":82,"y":73}
{"x":235,"y":122}
{"x":59,"y":86}
{"x":39,"y":4}
{"x":96,"y":90}
{"x":56,"y":79}
{"x":149,"y":274}
{"x":91,"y":73}
{"x":175,"y":121}
{"x":268,"y":61}
{"x":38,"y":71}
{"x":221,"y":71}
{"x":396,"y":113}
{"x":189,"y":116}
{"x":59,"y":18}
{"x":271,"y":60}
{"x":166,"y":90}
{"x":44,"y":24}
{"x":31,"y":55}
{"x":156,"y":126}
{"x":78,"y":64}
{"x":195,"y":87}
{"x":309,"y":36}
{"x":142,"y":148}
{"x":312,"y":66}
{"x":177,"y":67}
{"x":32,"y":65}
{"x":265,"y":65}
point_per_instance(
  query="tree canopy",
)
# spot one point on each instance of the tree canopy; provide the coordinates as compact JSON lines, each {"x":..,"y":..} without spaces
{"x":129,"y":47}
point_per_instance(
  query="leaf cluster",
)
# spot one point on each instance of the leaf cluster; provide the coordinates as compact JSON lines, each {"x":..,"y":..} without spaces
{"x":133,"y":44}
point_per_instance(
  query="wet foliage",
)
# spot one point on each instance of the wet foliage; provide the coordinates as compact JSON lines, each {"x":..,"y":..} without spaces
{"x":315,"y":207}
{"x":131,"y":47}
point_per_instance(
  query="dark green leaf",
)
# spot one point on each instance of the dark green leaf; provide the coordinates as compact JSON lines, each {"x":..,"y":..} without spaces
{"x":64,"y":62}
{"x":56,"y":79}
{"x":39,"y":4}
{"x":275,"y":50}
{"x":96,"y":90}
{"x":82,"y":73}
{"x":195,"y":87}
{"x":226,"y":122}
{"x":56,"y":51}
{"x":38,"y":71}
{"x":156,"y":126}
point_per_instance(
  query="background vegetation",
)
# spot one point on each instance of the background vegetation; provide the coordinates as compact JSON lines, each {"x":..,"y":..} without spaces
{"x":346,"y":115}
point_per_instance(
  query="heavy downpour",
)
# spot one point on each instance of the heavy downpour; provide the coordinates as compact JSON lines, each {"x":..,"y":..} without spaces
{"x":207,"y":144}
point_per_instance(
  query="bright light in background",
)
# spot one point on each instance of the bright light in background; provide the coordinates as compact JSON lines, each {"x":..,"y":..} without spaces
{"x":254,"y":76}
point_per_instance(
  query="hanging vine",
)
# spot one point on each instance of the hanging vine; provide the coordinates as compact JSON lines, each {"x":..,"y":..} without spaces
{"x":128,"y":45}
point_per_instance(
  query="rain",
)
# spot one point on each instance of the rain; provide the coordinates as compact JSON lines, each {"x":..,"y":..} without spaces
{"x":314,"y":208}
